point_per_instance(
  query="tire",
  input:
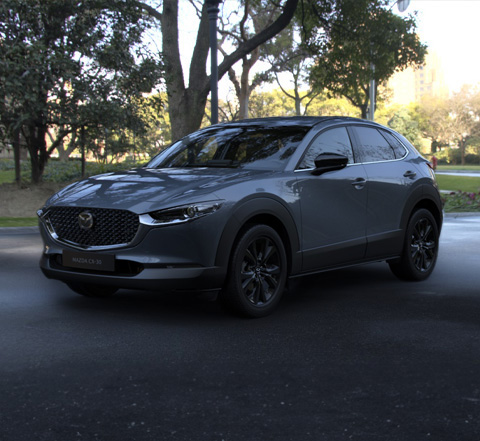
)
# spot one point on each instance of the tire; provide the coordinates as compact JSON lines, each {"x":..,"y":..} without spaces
{"x":257,"y":273}
{"x":89,"y":290}
{"x":420,"y":249}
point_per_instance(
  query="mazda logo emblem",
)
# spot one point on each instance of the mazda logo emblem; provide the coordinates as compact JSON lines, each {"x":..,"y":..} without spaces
{"x":85,"y":220}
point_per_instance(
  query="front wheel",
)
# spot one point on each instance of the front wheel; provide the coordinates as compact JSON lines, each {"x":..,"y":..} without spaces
{"x":257,"y":273}
{"x":90,"y":290}
{"x":420,"y":249}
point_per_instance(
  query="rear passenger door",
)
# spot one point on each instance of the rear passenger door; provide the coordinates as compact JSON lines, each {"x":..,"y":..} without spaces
{"x":333,"y":204}
{"x":390,"y":179}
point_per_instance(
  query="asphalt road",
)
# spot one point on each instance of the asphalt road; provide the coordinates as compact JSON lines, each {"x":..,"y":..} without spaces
{"x":352,"y":354}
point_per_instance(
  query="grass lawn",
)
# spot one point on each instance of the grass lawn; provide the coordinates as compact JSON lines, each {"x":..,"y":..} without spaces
{"x":7,"y":176}
{"x":18,"y":221}
{"x":458,"y":167}
{"x":459,"y":183}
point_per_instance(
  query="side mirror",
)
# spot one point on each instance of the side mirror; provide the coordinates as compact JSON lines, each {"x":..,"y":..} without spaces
{"x":326,"y":162}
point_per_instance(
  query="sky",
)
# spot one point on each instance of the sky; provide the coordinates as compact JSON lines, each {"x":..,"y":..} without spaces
{"x":452,"y":29}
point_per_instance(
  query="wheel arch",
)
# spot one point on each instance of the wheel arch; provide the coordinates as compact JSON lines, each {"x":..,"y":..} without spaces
{"x":424,"y":197}
{"x":265,"y":211}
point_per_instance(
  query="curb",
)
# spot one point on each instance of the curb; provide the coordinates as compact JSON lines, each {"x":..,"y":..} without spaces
{"x":461,"y":214}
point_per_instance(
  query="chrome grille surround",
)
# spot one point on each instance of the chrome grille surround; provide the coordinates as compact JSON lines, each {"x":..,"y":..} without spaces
{"x":111,"y":228}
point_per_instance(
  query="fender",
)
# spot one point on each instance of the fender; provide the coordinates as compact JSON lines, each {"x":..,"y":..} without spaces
{"x":250,"y":208}
{"x":426,"y":196}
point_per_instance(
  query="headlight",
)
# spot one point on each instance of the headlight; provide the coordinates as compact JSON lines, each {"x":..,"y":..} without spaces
{"x":178,"y":215}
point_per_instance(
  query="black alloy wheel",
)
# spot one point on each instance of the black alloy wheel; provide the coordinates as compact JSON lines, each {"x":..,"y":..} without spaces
{"x":420,"y":248}
{"x":423,"y":245}
{"x":257,"y":273}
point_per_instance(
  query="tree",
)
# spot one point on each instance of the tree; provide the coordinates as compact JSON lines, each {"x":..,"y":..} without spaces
{"x":322,"y":105}
{"x":286,"y":55}
{"x":434,"y":120}
{"x":66,"y":64}
{"x":361,"y":33}
{"x":256,"y":15}
{"x":186,"y":104}
{"x":464,"y":112}
{"x":406,"y":122}
{"x":273,"y":103}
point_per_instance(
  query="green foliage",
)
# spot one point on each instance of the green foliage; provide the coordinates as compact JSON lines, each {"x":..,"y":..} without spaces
{"x":458,"y":183}
{"x":274,"y":103}
{"x":18,"y":222}
{"x":66,"y":64}
{"x":453,"y":156}
{"x":461,"y":201}
{"x":9,"y":164}
{"x":360,"y":33}
{"x":322,"y":105}
{"x":63,"y":172}
{"x":7,"y":176}
{"x":405,"y":122}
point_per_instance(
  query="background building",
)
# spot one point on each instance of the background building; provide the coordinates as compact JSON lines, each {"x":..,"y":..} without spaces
{"x":410,"y":85}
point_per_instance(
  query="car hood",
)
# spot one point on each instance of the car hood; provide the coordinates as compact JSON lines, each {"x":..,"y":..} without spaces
{"x":144,"y":190}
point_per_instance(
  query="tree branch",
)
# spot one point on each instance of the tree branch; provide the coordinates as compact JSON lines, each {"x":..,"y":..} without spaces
{"x":277,"y":26}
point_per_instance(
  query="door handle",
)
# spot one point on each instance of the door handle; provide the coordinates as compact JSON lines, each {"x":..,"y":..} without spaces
{"x":359,"y":183}
{"x":409,"y":174}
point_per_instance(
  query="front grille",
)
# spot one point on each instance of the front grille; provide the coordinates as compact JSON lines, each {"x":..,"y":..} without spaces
{"x":110,"y":227}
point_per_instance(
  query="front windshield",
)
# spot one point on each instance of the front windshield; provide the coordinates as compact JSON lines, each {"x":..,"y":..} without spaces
{"x":247,"y":147}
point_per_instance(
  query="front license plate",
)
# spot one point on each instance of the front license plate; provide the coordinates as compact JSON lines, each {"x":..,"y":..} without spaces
{"x":91,"y":261}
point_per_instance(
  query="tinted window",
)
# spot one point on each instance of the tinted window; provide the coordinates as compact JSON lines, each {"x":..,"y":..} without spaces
{"x":332,"y":141}
{"x":373,"y":146}
{"x":396,"y":145}
{"x":248,"y":147}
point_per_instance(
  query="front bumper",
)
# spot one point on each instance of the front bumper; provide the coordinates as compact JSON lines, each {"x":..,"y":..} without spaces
{"x":163,"y":259}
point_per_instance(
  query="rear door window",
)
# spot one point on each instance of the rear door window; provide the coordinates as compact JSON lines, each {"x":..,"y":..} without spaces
{"x":373,"y":147}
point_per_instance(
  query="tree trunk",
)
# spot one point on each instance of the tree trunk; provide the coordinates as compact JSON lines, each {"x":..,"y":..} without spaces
{"x":298,"y":100}
{"x":463,"y":144}
{"x":186,"y":112}
{"x":64,"y":153}
{"x":245,"y":90}
{"x":364,"y":109}
{"x":82,"y":147}
{"x":37,"y":147}
{"x":16,"y":154}
{"x":187,"y":105}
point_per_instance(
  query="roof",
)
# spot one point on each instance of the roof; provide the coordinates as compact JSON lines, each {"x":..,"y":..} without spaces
{"x":304,"y":121}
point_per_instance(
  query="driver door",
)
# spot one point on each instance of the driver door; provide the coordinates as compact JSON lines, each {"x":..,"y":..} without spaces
{"x":333,"y":205}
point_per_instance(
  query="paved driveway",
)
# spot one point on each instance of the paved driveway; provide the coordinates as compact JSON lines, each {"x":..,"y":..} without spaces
{"x":352,"y":354}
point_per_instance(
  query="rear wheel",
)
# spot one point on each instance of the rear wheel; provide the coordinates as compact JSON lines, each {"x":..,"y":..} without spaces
{"x":420,"y":249}
{"x":257,"y":273}
{"x":90,"y":290}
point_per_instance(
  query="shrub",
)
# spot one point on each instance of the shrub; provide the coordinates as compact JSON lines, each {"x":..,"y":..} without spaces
{"x":60,"y":172}
{"x":472,"y":159}
{"x":9,"y":164}
{"x":461,"y":201}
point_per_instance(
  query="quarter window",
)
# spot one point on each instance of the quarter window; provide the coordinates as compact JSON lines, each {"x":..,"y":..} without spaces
{"x":373,"y":146}
{"x":397,"y":146}
{"x":334,"y":141}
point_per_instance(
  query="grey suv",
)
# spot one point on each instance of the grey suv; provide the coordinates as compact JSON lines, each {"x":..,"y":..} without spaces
{"x":244,"y":206}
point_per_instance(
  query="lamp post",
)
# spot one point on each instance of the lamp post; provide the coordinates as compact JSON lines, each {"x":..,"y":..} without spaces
{"x":212,"y":9}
